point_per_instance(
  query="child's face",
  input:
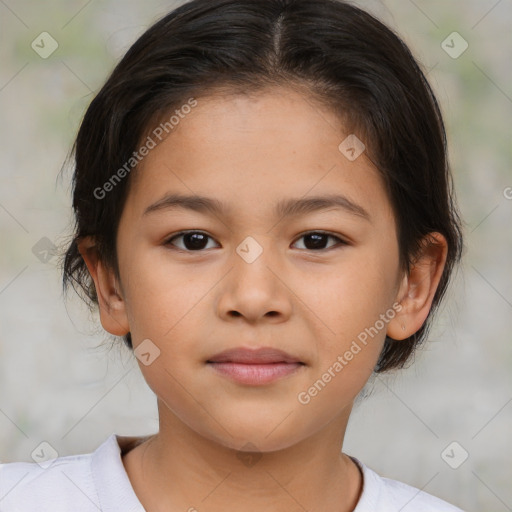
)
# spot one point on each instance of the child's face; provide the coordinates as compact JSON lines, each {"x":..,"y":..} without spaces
{"x":250,"y":154}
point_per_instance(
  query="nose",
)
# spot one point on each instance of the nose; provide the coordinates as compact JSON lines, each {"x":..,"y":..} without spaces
{"x":253,"y":291}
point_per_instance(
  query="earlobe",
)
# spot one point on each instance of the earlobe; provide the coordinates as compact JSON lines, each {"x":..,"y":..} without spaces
{"x":418,"y":287}
{"x":110,"y":302}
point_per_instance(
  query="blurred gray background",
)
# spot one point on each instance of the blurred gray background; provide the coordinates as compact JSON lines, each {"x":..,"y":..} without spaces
{"x":61,"y":382}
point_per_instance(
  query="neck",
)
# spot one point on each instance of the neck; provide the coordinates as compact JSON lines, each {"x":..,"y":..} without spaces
{"x":177,"y":469}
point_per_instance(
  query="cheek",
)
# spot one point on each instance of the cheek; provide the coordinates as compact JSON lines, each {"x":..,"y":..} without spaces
{"x":351,"y":310}
{"x":350,"y":298}
{"x":185,"y":398}
{"x":159,"y":296}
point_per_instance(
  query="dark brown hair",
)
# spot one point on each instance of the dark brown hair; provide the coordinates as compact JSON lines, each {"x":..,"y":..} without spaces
{"x":340,"y":54}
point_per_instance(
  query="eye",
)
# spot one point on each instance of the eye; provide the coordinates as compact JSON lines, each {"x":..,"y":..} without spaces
{"x":191,"y":241}
{"x":196,"y":241}
{"x":316,"y":240}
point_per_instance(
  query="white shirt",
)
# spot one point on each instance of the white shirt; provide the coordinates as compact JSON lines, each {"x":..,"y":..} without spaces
{"x":98,"y":482}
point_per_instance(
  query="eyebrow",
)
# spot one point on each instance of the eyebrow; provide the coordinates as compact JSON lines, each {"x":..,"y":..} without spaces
{"x":284,"y":208}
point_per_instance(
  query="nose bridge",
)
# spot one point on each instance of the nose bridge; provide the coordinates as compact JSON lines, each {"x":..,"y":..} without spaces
{"x":252,"y":260}
{"x":253,"y":289}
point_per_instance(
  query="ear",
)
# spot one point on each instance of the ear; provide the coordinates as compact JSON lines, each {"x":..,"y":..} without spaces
{"x":418,"y":287}
{"x":110,"y":301}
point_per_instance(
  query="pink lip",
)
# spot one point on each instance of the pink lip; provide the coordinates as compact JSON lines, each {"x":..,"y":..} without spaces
{"x":254,"y":366}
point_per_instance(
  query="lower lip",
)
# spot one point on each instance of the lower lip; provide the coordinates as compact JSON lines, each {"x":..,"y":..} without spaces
{"x":256,"y":374}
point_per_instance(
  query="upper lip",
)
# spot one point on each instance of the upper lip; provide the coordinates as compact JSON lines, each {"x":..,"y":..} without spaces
{"x":263,"y":355}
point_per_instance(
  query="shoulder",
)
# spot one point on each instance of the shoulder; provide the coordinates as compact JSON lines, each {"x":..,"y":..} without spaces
{"x":82,"y":483}
{"x":386,"y":495}
{"x":28,"y":486}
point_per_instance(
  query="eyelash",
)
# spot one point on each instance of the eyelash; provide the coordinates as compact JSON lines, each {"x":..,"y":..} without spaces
{"x":169,"y":241}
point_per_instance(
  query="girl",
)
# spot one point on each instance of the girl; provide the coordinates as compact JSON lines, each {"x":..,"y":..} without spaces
{"x":264,"y":213}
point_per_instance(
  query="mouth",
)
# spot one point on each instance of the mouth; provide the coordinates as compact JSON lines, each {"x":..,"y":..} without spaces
{"x":255,"y":367}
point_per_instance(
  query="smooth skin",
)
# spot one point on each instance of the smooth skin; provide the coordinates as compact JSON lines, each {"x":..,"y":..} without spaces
{"x":308,"y":297}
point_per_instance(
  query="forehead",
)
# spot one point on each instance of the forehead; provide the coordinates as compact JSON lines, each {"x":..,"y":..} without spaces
{"x":252,"y":149}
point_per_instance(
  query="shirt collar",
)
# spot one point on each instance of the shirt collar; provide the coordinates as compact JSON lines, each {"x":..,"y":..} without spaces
{"x":115,"y":491}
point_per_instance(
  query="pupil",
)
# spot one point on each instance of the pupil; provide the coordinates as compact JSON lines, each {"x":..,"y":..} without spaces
{"x":317,"y":241}
{"x":194,"y":240}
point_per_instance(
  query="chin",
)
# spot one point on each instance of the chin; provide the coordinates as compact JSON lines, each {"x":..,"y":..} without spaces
{"x":253,"y":431}
{"x":254,"y":440}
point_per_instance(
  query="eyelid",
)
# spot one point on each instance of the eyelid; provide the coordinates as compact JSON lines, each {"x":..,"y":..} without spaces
{"x":167,"y":240}
{"x":341,"y":240}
